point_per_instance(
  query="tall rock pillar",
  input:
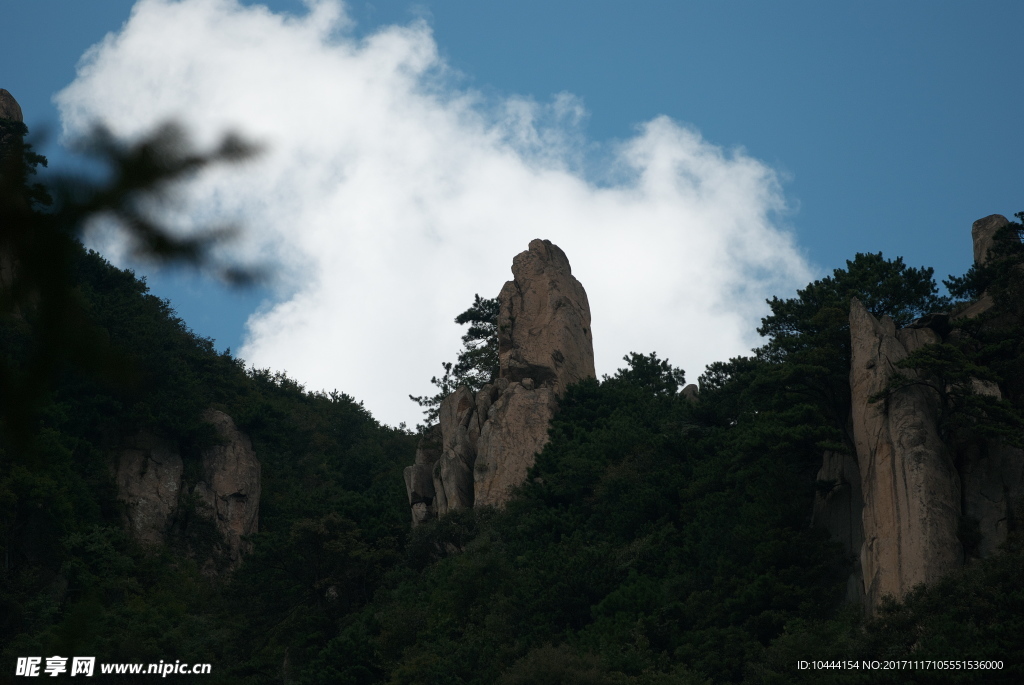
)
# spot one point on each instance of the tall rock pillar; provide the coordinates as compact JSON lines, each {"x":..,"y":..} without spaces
{"x":544,"y":345}
{"x":489,"y":440}
{"x":909,"y":484}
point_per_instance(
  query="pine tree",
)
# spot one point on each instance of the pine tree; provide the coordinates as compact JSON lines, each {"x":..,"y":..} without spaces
{"x":477,"y":363}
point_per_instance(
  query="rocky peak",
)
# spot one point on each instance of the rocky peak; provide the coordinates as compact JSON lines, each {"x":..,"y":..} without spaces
{"x":983,"y":234}
{"x":486,"y":442}
{"x":9,"y":107}
{"x":544,"y":321}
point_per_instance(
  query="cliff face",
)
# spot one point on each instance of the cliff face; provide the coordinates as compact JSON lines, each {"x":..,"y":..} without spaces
{"x":230,"y":488}
{"x":904,"y":502}
{"x":911,"y":490}
{"x":486,"y":442}
{"x":150,"y":483}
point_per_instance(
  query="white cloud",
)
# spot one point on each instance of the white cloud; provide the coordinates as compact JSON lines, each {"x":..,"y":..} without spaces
{"x":389,"y":196}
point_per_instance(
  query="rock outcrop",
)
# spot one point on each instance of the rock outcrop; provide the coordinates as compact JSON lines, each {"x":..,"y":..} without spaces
{"x":544,"y":321}
{"x":419,"y":478}
{"x":486,"y":441}
{"x":909,"y":505}
{"x":992,"y":476}
{"x":910,"y":487}
{"x":9,"y":107}
{"x":515,"y":432}
{"x":230,"y":488}
{"x":983,"y":233}
{"x":149,"y":472}
{"x":150,"y":477}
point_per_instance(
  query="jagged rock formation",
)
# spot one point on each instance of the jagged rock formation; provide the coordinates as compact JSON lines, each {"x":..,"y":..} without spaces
{"x":486,"y":442}
{"x":993,"y":487}
{"x":150,"y":483}
{"x":906,"y":501}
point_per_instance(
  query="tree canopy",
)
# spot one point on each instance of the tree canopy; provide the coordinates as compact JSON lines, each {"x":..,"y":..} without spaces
{"x":657,"y":539}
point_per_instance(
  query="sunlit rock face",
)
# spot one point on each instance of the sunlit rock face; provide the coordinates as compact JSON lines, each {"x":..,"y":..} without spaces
{"x":489,"y":440}
{"x":910,"y":486}
{"x":544,"y":321}
{"x":911,"y":504}
{"x":516,"y":430}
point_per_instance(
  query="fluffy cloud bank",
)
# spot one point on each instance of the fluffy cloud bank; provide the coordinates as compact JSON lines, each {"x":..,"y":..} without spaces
{"x":388,"y":196}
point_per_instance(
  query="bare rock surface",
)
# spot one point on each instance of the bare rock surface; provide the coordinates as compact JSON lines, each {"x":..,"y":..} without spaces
{"x":9,"y":107}
{"x":544,"y":321}
{"x":490,"y":439}
{"x":983,"y":234}
{"x":231,"y":485}
{"x":924,"y":507}
{"x":453,"y":472}
{"x":515,"y":432}
{"x":149,"y":482}
{"x":419,"y":478}
{"x":910,"y":486}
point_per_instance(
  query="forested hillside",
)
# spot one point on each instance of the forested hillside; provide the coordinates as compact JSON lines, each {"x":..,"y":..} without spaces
{"x":658,"y":538}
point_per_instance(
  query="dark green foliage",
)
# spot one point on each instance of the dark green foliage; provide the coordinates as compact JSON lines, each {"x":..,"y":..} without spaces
{"x":984,"y":349}
{"x":1007,"y":252}
{"x":477,"y":363}
{"x":974,"y":614}
{"x":809,"y":335}
{"x":645,"y":544}
{"x":39,"y":253}
{"x":18,"y":164}
{"x":656,"y":540}
{"x":89,"y":359}
{"x":71,"y":578}
{"x":885,"y":288}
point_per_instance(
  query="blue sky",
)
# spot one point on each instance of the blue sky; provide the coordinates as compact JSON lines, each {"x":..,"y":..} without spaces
{"x":880,"y":126}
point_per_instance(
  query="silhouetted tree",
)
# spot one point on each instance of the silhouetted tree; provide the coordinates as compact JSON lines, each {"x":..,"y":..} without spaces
{"x":39,"y":236}
{"x":477,"y":363}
